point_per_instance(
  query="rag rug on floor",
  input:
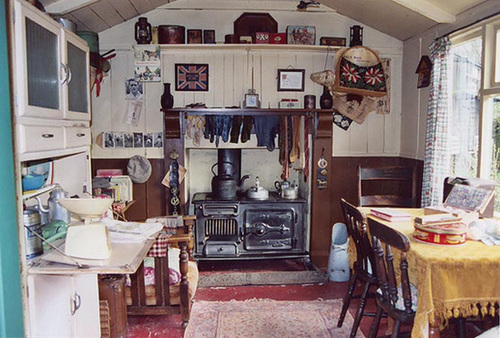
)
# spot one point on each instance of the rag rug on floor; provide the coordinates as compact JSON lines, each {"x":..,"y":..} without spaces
{"x":266,"y":318}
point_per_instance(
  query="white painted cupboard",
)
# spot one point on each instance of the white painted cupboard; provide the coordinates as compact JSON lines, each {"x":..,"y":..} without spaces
{"x":50,"y":68}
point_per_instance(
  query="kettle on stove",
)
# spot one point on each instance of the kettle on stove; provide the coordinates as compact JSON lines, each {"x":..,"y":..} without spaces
{"x":224,"y":185}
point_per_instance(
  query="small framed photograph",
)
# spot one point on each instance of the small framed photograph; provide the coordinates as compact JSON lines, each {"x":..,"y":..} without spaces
{"x":301,"y":35}
{"x":332,"y":41}
{"x":148,"y":140}
{"x":109,"y":140}
{"x":138,"y":140}
{"x":208,"y":36}
{"x":251,"y":100}
{"x":128,"y":140}
{"x":291,"y":80}
{"x":194,"y":35}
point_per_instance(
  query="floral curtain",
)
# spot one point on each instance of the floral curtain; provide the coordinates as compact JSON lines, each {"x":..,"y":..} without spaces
{"x":437,"y":156}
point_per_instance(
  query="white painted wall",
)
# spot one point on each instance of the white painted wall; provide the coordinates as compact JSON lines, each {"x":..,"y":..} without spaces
{"x":415,"y":101}
{"x":230,"y":77}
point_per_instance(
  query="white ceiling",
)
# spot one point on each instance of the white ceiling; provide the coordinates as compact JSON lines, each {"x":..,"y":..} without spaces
{"x":401,"y":19}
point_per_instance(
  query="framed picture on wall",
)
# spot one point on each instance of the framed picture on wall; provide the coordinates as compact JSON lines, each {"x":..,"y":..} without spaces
{"x":291,"y":80}
{"x":191,"y":77}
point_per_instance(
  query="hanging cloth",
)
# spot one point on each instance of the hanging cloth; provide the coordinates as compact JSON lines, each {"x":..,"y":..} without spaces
{"x":359,"y":70}
{"x":295,"y":152}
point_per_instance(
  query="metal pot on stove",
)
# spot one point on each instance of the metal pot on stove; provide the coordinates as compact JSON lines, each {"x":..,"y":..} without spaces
{"x":287,"y":190}
{"x":224,"y":185}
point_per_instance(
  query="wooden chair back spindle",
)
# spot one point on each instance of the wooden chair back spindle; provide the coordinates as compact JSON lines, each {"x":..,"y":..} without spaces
{"x":386,"y":239}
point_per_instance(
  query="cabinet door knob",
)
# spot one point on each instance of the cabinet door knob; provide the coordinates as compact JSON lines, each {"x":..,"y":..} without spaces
{"x":68,"y":78}
{"x":80,"y":134}
{"x":47,"y":135}
{"x":75,"y":303}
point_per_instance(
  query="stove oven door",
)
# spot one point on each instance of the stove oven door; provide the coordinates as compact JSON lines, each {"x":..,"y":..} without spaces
{"x":271,"y":229}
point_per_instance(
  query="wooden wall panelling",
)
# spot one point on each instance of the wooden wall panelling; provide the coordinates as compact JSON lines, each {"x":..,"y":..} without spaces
{"x":86,"y":14}
{"x":142,"y":6}
{"x":124,"y":8}
{"x":321,"y":216}
{"x":149,"y":196}
{"x":267,"y":81}
{"x":109,"y":13}
{"x":218,"y":88}
{"x":227,"y":76}
{"x":374,"y":143}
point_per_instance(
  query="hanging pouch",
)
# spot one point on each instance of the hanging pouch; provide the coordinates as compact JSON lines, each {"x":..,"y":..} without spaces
{"x":359,"y":71}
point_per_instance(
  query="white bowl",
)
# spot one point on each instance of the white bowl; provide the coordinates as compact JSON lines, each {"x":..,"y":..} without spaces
{"x":86,"y":207}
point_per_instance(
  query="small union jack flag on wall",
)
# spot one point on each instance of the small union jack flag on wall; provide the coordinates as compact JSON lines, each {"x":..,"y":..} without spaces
{"x":191,"y":77}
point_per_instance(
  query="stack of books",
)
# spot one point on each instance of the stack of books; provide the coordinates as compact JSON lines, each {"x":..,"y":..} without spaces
{"x":391,"y":215}
{"x":441,"y":229}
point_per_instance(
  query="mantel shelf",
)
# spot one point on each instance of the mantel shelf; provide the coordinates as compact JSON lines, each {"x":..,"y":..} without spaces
{"x":245,"y":111}
{"x":247,"y":47}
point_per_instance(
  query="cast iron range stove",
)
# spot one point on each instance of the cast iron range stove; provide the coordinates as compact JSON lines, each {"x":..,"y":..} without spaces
{"x":243,"y":228}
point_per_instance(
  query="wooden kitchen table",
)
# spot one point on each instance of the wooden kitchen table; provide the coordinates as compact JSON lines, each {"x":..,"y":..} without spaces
{"x":451,"y":281}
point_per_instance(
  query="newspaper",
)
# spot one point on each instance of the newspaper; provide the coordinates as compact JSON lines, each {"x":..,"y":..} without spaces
{"x":130,"y":232}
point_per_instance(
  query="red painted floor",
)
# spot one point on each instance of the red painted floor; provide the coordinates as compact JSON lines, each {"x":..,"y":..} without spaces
{"x":170,"y":326}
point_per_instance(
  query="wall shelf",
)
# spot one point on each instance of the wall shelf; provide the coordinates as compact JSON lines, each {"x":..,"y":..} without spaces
{"x":246,"y":47}
{"x":244,"y":111}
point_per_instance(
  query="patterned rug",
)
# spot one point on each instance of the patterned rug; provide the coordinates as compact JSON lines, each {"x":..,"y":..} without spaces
{"x":265,"y":318}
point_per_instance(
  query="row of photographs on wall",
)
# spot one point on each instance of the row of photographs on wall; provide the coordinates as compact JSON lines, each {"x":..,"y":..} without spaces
{"x":133,"y":140}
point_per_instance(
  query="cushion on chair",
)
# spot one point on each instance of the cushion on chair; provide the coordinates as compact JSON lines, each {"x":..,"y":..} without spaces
{"x":193,"y":276}
{"x":399,"y":304}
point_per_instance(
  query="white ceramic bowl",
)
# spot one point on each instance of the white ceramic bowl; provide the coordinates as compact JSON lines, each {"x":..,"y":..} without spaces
{"x":86,"y":207}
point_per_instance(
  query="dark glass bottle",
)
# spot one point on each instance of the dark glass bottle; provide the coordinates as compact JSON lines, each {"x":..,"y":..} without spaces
{"x":326,"y":99}
{"x":167,"y":99}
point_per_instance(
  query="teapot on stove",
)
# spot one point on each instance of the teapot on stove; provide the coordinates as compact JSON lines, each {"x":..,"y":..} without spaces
{"x":224,"y":185}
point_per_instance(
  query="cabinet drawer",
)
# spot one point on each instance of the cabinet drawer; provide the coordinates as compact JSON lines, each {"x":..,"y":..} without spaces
{"x":77,"y":136}
{"x":40,"y":138}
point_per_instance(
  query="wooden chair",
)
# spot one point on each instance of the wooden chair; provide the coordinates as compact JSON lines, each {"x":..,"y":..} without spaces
{"x":159,"y":299}
{"x":362,"y":268}
{"x":387,"y":186}
{"x":390,"y":292}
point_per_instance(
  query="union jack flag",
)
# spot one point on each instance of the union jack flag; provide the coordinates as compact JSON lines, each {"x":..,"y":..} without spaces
{"x":192,"y":77}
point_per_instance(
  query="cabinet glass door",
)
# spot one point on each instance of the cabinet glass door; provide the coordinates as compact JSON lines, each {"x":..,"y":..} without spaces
{"x":78,"y":84}
{"x":42,"y":57}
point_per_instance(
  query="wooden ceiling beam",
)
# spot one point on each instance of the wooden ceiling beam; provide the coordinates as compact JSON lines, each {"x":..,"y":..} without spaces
{"x":428,"y":10}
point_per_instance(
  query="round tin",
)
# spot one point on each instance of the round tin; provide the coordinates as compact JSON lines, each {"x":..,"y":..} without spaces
{"x":171,"y":34}
{"x":310,"y":101}
{"x":231,"y":38}
{"x":31,"y":219}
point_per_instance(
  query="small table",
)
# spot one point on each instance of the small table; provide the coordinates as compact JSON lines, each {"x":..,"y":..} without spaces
{"x":450,"y":280}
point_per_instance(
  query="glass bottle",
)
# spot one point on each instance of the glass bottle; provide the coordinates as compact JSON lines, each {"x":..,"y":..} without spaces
{"x":326,"y":99}
{"x":167,"y":99}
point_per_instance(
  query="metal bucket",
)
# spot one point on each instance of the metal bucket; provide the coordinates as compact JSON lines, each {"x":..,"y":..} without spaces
{"x":31,"y":220}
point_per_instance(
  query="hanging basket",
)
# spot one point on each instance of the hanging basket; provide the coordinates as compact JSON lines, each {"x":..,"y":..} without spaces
{"x":359,"y":71}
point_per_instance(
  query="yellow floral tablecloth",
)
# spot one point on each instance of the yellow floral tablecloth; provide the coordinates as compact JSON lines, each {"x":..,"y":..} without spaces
{"x":450,"y":280}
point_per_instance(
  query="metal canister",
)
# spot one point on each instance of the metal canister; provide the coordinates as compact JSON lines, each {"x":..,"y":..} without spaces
{"x":32,"y":224}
